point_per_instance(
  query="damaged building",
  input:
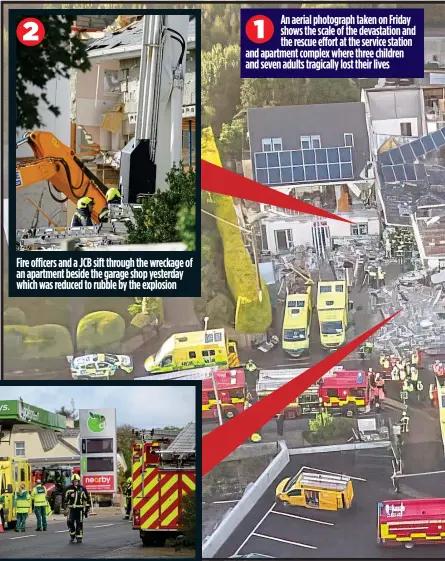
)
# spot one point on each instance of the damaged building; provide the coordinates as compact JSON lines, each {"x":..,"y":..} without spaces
{"x":319,"y":154}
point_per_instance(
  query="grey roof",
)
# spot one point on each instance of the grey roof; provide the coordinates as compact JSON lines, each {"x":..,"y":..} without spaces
{"x":70,"y":433}
{"x":185,"y":442}
{"x":131,"y":36}
{"x":48,"y":439}
{"x":328,"y":120}
{"x":94,"y":22}
{"x":69,"y":446}
{"x":424,"y":182}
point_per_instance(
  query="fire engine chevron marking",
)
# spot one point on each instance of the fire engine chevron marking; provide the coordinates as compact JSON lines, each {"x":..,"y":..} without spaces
{"x":150,"y":481}
{"x":149,"y":512}
{"x":173,"y":480}
{"x":190,"y":484}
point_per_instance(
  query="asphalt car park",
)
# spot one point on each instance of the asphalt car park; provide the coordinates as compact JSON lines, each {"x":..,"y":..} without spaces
{"x":280,"y":531}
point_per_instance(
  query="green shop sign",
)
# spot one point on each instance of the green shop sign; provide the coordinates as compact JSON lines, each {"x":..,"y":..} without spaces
{"x":20,"y":412}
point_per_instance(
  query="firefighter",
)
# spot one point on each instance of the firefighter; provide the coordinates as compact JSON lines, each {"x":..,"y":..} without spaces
{"x":39,"y":503}
{"x":251,"y":366}
{"x":128,"y":489}
{"x":402,"y":372}
{"x":433,"y":395}
{"x":386,"y":364}
{"x":371,"y":376}
{"x":415,"y":358}
{"x":369,"y":347}
{"x":404,"y":421}
{"x":380,"y":277}
{"x":113,"y":197}
{"x":382,"y":359}
{"x":395,"y":372}
{"x":82,"y":216}
{"x":414,"y":375}
{"x":408,"y":386}
{"x":78,"y":504}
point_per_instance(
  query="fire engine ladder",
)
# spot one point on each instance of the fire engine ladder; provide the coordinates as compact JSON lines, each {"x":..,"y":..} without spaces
{"x":334,"y":482}
{"x":182,"y":451}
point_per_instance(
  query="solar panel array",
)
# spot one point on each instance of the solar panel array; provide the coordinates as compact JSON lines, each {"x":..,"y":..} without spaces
{"x":397,"y":165}
{"x":298,"y":166}
{"x":409,"y":153}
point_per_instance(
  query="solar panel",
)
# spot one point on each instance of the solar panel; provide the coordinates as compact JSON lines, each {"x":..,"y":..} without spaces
{"x":388,"y":174}
{"x":399,"y":172}
{"x":385,"y":158}
{"x":410,"y":172}
{"x":420,"y":171}
{"x":396,"y":156}
{"x":438,"y":138}
{"x":428,"y":144}
{"x":417,"y":148}
{"x":407,"y":153}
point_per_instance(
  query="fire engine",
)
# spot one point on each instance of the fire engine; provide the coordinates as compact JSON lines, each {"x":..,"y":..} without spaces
{"x":346,"y":391}
{"x":341,"y":391}
{"x":163,"y":472}
{"x":410,"y":522}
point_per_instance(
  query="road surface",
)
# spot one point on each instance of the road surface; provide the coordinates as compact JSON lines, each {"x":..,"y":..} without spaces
{"x":104,"y":536}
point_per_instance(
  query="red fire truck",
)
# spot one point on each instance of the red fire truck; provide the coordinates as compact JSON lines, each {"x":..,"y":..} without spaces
{"x":415,"y":521}
{"x":231,"y":389}
{"x":346,"y":391}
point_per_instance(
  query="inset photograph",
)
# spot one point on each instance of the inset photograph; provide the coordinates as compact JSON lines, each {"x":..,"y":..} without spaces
{"x":105,"y":129}
{"x":98,"y":474}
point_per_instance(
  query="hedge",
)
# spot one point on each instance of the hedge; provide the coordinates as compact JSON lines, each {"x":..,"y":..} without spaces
{"x":98,"y":330}
{"x":38,"y":341}
{"x":252,"y":316}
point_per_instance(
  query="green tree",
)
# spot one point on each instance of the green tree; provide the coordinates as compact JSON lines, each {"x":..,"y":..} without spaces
{"x":332,"y":90}
{"x":231,"y":140}
{"x":187,"y":519}
{"x":273,"y":91}
{"x":157,"y":220}
{"x":221,"y":84}
{"x":125,"y":437}
{"x":56,"y":55}
{"x":187,"y":227}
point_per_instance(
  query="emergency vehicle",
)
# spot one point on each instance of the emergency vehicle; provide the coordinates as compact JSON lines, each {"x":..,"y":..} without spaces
{"x":183,"y":351}
{"x":410,"y":522}
{"x":99,"y":365}
{"x":163,"y":472}
{"x":13,"y":472}
{"x":270,"y":380}
{"x":347,"y":392}
{"x":297,"y":323}
{"x":231,"y":389}
{"x":333,"y":307}
{"x":318,"y":490}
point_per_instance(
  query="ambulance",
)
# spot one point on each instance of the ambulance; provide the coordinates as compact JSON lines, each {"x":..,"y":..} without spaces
{"x":183,"y":351}
{"x":13,"y":472}
{"x":411,"y":522}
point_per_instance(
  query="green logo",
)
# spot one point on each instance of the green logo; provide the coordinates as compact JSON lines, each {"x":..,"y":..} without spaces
{"x":96,"y":422}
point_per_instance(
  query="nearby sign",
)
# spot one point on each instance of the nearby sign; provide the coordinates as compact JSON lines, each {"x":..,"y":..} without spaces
{"x":98,"y":448}
{"x":99,"y":483}
{"x":18,"y":411}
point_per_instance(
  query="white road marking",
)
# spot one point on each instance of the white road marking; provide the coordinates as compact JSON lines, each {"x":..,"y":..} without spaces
{"x":61,"y":531}
{"x":224,"y":502}
{"x":334,"y":473}
{"x":21,"y":537}
{"x":302,"y":518}
{"x":284,"y":541}
{"x":103,"y":526}
{"x":253,"y":531}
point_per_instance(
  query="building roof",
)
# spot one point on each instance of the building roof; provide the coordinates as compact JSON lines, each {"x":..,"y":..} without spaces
{"x":412,"y":177}
{"x":185,"y":442}
{"x":131,"y":36}
{"x":330,"y":121}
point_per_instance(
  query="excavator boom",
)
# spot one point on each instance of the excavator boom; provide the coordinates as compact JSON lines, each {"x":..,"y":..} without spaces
{"x":59,"y":165}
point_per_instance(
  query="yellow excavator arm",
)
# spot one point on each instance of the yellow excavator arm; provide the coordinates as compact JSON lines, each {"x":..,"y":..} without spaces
{"x":59,"y":165}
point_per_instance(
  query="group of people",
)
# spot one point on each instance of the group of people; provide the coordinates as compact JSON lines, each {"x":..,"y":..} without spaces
{"x":77,"y":506}
{"x":405,"y":370}
{"x":85,"y":205}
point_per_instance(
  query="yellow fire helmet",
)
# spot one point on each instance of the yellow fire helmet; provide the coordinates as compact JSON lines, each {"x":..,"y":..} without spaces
{"x":84,"y":202}
{"x":255,"y":437}
{"x":129,"y":480}
{"x":113,"y":193}
{"x":75,"y":477}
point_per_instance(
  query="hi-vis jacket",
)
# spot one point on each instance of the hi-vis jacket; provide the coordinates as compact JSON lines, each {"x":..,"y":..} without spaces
{"x":77,"y":497}
{"x":38,"y":495}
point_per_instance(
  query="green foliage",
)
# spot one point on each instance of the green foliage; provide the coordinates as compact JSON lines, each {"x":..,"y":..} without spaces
{"x":221,"y":84}
{"x":98,"y":330}
{"x":187,"y":519}
{"x":56,"y":55}
{"x":252,"y":315}
{"x":220,"y":311}
{"x":14,"y":316}
{"x":333,"y":428}
{"x":187,"y":227}
{"x":231,"y":140}
{"x":37,"y":342}
{"x":124,"y":437}
{"x":146,"y":310}
{"x":157,"y":221}
{"x":331,"y":90}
